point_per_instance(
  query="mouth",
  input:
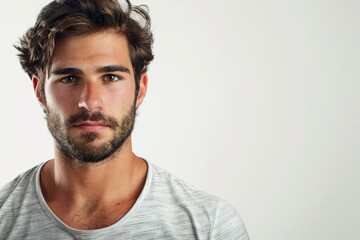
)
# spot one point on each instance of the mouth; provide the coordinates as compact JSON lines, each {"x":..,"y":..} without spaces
{"x":90,"y":126}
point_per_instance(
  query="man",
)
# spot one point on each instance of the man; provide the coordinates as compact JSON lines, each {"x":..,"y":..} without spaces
{"x":87,"y":60}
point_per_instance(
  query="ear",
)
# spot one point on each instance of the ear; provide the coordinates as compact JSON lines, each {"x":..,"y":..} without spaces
{"x":143,"y":83}
{"x":37,"y":89}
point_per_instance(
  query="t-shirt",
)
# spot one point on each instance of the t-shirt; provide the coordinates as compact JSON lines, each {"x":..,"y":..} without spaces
{"x":167,"y":208}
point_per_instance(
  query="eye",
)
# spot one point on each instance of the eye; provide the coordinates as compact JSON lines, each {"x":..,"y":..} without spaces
{"x":112,"y":78}
{"x":68,"y":79}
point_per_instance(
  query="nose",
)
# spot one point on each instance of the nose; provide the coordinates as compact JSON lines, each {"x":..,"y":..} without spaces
{"x":91,"y":97}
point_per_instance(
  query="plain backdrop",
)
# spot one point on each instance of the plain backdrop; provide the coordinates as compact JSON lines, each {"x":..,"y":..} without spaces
{"x":254,"y":101}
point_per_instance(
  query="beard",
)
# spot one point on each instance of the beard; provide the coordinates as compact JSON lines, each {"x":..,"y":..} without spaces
{"x":81,"y":150}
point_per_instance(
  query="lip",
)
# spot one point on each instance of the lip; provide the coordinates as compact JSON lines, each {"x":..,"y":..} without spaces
{"x":90,"y":126}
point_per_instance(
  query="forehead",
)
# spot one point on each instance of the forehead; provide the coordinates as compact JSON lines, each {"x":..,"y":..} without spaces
{"x":106,"y":46}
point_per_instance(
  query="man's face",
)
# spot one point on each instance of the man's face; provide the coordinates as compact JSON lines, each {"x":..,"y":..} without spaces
{"x":90,"y":95}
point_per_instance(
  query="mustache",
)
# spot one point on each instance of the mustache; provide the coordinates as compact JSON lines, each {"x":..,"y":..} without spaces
{"x":92,"y":116}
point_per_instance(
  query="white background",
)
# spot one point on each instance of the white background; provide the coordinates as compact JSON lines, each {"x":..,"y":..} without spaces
{"x":255,"y":101}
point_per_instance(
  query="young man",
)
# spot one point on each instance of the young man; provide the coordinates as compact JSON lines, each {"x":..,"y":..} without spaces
{"x":87,"y":60}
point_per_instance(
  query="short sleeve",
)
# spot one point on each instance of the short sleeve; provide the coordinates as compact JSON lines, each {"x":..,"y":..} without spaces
{"x":228,"y":224}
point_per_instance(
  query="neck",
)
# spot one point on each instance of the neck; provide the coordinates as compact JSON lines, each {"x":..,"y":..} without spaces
{"x":117,"y":178}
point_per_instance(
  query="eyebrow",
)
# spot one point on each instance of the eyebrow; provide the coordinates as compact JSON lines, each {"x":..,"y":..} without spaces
{"x":76,"y":71}
{"x":113,"y":68}
{"x":63,"y":71}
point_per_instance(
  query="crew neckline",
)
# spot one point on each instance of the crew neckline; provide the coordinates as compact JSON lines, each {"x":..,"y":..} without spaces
{"x":104,"y":230}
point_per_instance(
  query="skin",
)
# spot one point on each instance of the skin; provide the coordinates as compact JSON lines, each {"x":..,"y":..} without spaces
{"x":92,"y":195}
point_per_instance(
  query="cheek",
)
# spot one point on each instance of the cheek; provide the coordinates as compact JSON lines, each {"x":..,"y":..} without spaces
{"x":60,"y":100}
{"x":119,"y":100}
{"x":121,"y":95}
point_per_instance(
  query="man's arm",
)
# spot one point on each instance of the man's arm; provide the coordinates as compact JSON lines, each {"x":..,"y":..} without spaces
{"x":228,"y":224}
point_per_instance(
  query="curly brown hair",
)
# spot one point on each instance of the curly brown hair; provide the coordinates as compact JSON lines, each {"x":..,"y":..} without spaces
{"x":74,"y":17}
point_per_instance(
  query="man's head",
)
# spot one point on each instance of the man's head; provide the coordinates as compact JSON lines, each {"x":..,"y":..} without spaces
{"x":75,"y":17}
{"x":88,"y":61}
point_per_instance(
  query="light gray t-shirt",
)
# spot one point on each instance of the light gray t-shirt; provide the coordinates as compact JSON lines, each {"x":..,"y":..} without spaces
{"x":167,"y":208}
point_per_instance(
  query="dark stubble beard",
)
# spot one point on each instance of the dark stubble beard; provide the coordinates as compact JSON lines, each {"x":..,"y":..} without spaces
{"x":81,"y":150}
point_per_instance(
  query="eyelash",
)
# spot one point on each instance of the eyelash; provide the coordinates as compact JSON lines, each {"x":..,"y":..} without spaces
{"x":107,"y":78}
{"x":67,"y":79}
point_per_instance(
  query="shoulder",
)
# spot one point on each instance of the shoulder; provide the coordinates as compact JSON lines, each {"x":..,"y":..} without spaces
{"x":172,"y":186}
{"x":17,"y":187}
{"x":208,"y":213}
{"x":20,"y":206}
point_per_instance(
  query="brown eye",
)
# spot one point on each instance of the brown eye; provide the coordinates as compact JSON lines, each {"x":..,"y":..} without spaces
{"x":112,"y":78}
{"x":68,"y":79}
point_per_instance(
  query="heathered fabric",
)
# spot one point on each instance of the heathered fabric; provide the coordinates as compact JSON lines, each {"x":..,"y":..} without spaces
{"x":167,"y":208}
